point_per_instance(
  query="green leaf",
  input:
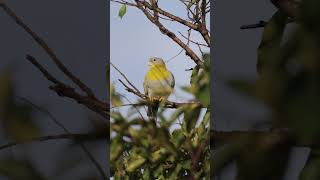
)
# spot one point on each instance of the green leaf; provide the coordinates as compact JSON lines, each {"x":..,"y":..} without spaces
{"x":122,"y":10}
{"x":177,"y":137}
{"x":115,"y":97}
{"x":116,"y":148}
{"x":194,"y":74}
{"x":135,"y":162}
{"x":191,"y":116}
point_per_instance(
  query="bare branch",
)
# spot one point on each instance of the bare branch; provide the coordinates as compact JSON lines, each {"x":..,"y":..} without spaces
{"x":261,"y":24}
{"x":48,"y":50}
{"x":66,"y":91}
{"x":75,"y":137}
{"x":167,"y":14}
{"x":171,"y":35}
{"x":58,"y":123}
{"x":167,"y":104}
{"x":194,"y":42}
{"x":124,"y":2}
{"x":125,"y":77}
{"x":202,"y":28}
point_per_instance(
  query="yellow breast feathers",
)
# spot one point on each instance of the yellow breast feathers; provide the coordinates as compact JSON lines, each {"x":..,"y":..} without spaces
{"x":158,"y":73}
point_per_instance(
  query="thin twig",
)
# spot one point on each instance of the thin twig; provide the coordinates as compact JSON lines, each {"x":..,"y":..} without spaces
{"x":58,"y":123}
{"x":48,"y":50}
{"x":76,"y":137}
{"x":135,"y":107}
{"x":189,"y":34}
{"x":167,"y":14}
{"x":167,"y":104}
{"x":125,"y":105}
{"x":124,"y":2}
{"x":201,"y":44}
{"x":171,"y":35}
{"x":125,"y":77}
{"x":66,"y":91}
{"x":260,"y":24}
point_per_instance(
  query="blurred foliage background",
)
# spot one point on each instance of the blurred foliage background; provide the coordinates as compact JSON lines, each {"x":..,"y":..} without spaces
{"x":19,"y":124}
{"x":289,"y":84}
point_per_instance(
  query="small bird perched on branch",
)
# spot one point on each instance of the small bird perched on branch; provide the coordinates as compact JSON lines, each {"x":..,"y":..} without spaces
{"x":158,"y":85}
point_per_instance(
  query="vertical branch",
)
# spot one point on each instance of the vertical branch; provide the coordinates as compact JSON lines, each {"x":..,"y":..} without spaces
{"x":203,"y":25}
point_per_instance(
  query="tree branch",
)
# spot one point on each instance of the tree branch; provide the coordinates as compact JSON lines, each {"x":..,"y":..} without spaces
{"x":75,"y":137}
{"x":58,"y":123}
{"x":167,"y":14}
{"x":261,"y":24}
{"x":203,"y":25}
{"x":167,"y":104}
{"x":64,"y":90}
{"x":48,"y":50}
{"x":170,"y":34}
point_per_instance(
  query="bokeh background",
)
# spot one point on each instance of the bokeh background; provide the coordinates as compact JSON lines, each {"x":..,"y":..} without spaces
{"x":234,"y":57}
{"x":78,"y":32}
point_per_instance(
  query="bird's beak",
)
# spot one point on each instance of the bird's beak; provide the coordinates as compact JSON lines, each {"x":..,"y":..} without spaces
{"x":149,"y":64}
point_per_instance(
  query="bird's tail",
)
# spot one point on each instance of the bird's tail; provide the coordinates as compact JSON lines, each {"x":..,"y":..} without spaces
{"x":153,"y":110}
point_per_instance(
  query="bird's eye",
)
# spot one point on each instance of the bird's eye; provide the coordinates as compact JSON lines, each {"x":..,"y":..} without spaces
{"x":154,"y":59}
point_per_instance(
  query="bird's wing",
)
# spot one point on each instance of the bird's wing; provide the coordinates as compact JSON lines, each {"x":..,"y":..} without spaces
{"x":172,"y":81}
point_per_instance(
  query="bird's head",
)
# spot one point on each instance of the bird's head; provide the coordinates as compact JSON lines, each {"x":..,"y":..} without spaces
{"x":156,"y":62}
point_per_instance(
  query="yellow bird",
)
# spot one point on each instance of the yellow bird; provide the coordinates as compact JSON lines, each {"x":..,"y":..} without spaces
{"x":158,"y":84}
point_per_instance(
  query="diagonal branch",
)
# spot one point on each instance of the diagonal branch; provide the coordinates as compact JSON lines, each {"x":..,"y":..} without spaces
{"x":125,"y":77}
{"x":47,"y":49}
{"x":170,"y":34}
{"x":167,"y":14}
{"x":64,"y":90}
